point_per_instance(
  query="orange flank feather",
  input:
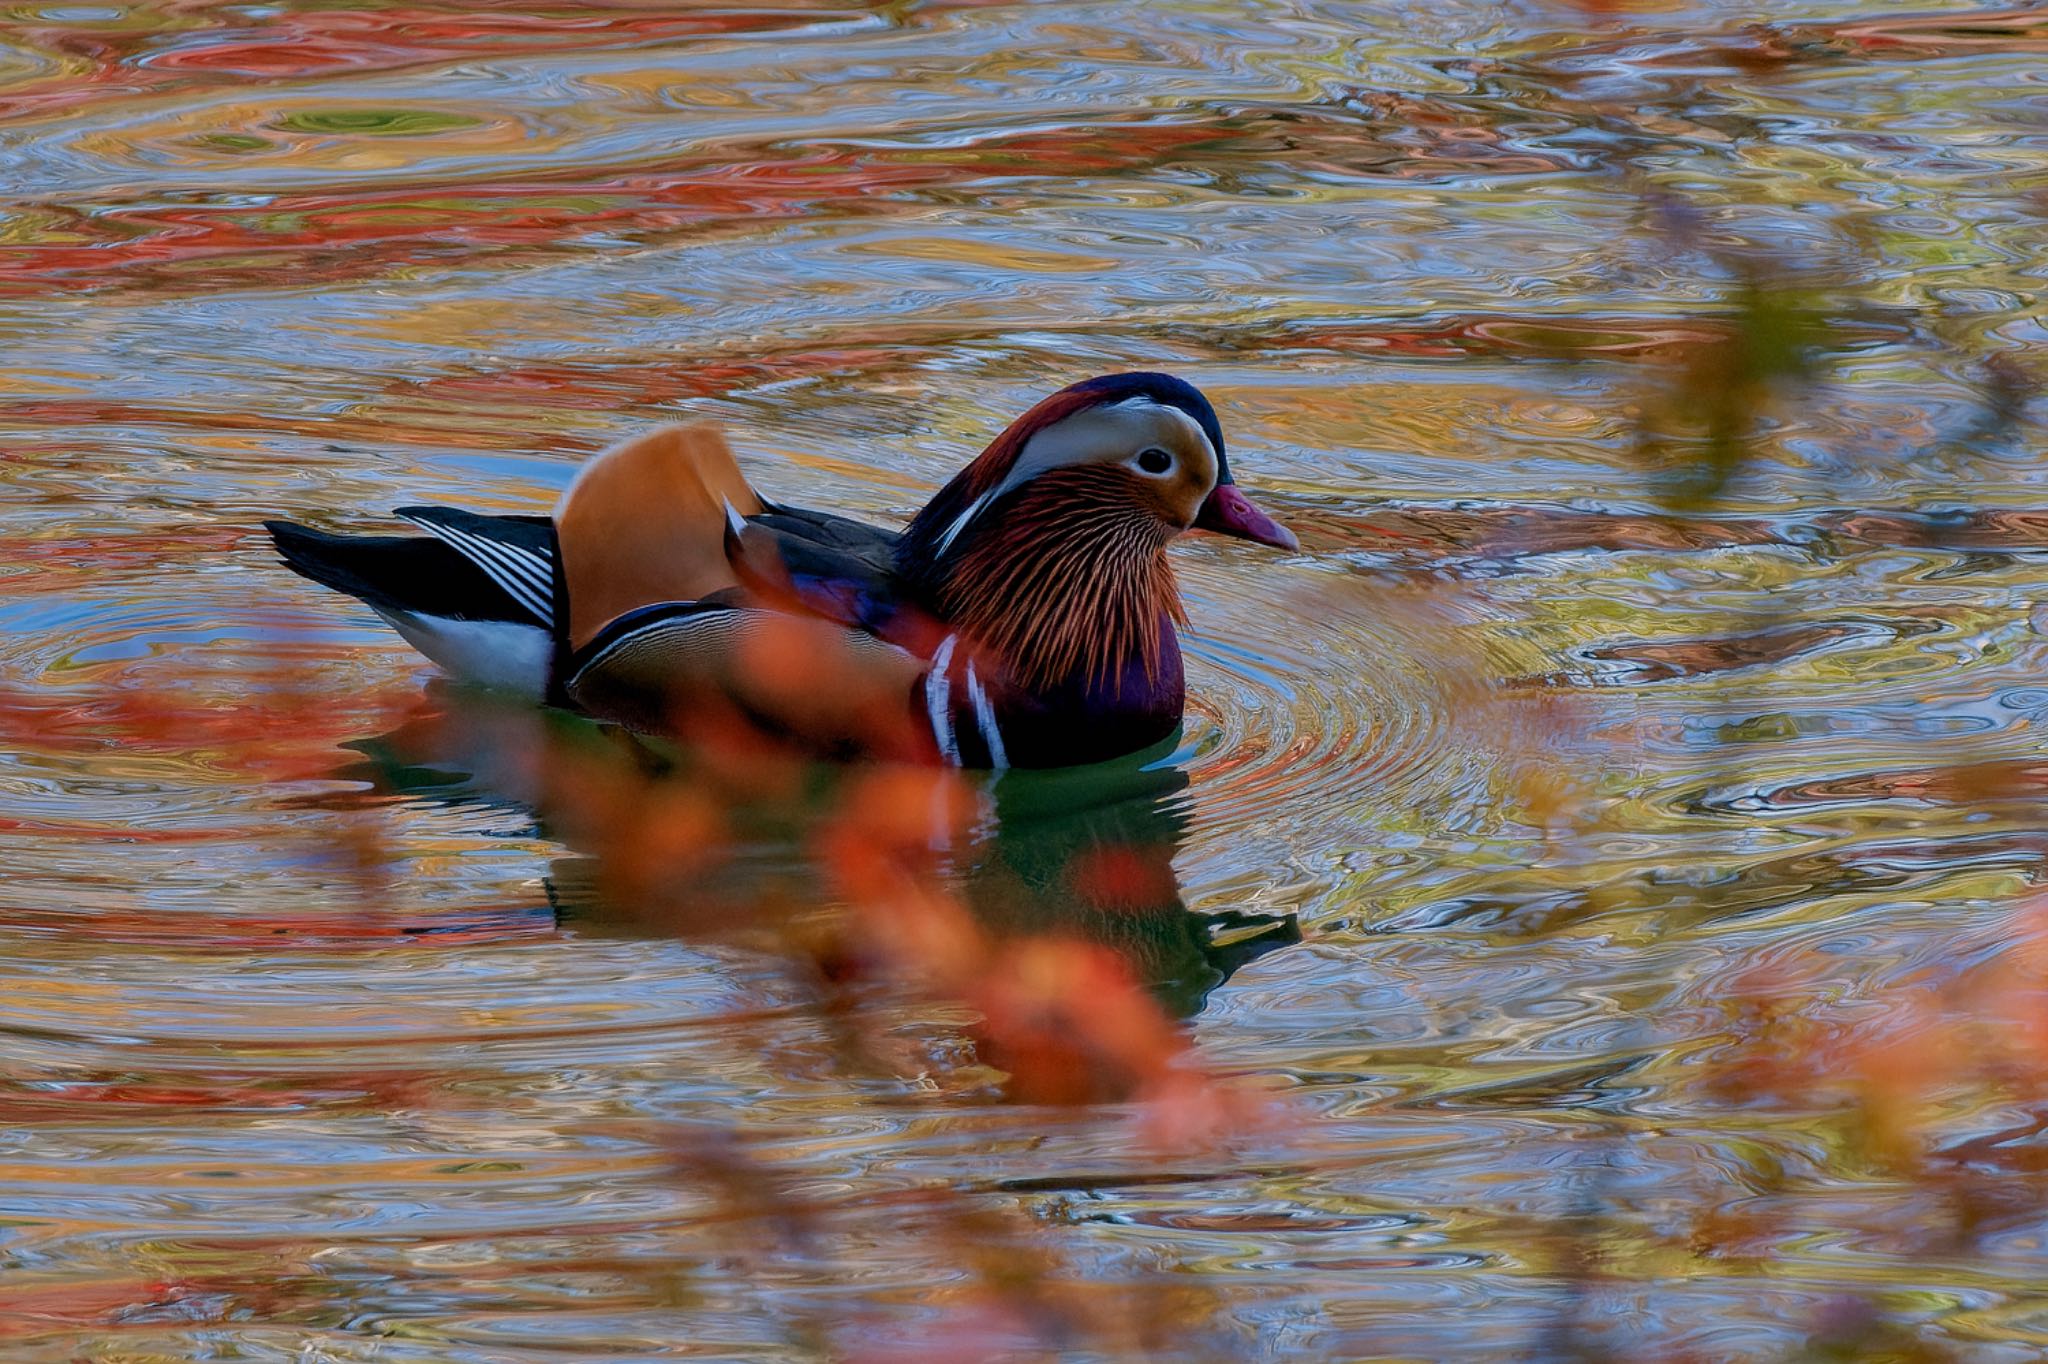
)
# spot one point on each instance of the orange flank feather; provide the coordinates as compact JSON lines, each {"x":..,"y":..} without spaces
{"x":645,"y":521}
{"x":829,"y":687}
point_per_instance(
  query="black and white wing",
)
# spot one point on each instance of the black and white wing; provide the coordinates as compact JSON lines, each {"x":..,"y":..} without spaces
{"x":517,"y":553}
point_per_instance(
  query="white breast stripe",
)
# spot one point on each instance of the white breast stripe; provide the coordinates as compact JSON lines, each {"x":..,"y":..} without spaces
{"x":985,"y":720}
{"x":938,"y":701}
{"x":526,"y":575}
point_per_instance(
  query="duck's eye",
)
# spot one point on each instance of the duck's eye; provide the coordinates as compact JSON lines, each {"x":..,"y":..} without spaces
{"x":1154,"y":460}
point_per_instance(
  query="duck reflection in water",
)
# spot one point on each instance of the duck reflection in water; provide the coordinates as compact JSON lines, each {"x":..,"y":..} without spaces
{"x":1087,"y":853}
{"x":1078,"y":854}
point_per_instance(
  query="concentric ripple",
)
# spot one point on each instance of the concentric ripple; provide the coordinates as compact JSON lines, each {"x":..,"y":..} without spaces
{"x":1332,"y":689}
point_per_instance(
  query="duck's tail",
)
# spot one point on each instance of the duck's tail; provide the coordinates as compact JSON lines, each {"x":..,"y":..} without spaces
{"x":478,"y":598}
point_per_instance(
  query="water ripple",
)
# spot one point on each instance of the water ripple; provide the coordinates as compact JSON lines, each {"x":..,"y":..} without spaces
{"x":311,"y":1032}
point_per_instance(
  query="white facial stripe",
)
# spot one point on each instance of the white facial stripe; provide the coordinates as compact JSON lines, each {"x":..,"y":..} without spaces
{"x":1192,"y":427}
{"x":960,"y":521}
{"x":1185,"y":422}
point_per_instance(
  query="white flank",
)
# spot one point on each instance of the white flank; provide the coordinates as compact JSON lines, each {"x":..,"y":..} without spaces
{"x":489,"y":653}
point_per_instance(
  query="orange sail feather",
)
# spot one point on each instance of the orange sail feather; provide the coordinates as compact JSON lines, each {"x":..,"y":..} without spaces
{"x":645,"y":522}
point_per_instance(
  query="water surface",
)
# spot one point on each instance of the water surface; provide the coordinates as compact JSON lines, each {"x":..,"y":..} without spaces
{"x":1504,"y":809}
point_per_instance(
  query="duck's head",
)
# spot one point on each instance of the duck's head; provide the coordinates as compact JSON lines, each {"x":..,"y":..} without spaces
{"x":1055,"y":535}
{"x":1151,"y":436}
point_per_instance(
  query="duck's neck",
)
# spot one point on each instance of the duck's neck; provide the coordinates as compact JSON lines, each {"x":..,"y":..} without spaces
{"x":1065,"y":586}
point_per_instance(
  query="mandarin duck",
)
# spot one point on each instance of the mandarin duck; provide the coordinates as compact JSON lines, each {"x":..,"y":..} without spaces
{"x":1025,"y":617}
